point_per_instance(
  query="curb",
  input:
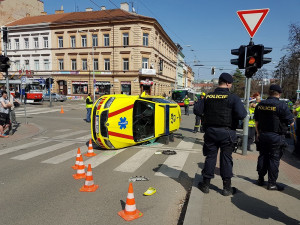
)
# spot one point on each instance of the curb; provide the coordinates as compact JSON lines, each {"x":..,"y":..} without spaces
{"x":193,"y":213}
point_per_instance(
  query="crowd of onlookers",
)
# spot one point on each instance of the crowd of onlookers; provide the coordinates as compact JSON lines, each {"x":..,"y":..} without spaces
{"x":7,"y":113}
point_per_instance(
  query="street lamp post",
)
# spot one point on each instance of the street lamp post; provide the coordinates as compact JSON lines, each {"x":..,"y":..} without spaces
{"x":298,"y":80}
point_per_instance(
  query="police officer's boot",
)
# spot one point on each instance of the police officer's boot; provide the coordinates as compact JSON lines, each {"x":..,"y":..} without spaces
{"x":260,"y":181}
{"x":204,"y":185}
{"x":227,"y":189}
{"x":195,"y":129}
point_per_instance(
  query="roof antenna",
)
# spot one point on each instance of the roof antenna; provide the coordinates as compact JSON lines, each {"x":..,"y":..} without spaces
{"x":132,"y":8}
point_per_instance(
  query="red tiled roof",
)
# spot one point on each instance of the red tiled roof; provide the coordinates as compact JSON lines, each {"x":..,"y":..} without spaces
{"x":78,"y":17}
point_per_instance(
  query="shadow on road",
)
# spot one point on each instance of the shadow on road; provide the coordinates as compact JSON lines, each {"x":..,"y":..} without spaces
{"x":287,"y":189}
{"x":260,"y":209}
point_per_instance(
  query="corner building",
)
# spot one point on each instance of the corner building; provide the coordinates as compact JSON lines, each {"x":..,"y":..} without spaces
{"x":114,"y":51}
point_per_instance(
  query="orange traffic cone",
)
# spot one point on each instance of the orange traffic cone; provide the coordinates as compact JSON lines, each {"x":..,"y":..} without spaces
{"x":62,"y":110}
{"x":89,"y":185}
{"x":75,"y":167}
{"x":130,"y":212}
{"x":90,"y":152}
{"x":80,"y":170}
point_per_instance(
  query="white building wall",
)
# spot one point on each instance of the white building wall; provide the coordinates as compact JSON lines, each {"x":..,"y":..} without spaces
{"x":22,"y":54}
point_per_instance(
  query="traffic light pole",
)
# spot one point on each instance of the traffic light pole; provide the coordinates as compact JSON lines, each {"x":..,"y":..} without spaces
{"x":246,"y":120}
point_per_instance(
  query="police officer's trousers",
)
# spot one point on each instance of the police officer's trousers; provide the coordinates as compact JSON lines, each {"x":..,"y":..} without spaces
{"x":197,"y":123}
{"x":215,"y":138}
{"x":270,"y":146}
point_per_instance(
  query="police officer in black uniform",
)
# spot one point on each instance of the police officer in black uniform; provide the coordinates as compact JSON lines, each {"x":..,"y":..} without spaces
{"x":272,"y":118}
{"x":222,"y":112}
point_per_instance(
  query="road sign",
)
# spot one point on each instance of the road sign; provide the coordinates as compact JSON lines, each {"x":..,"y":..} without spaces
{"x":23,"y":79}
{"x":298,"y":91}
{"x":252,"y":19}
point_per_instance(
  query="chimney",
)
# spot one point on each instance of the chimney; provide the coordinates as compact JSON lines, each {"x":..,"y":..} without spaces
{"x":89,"y":9}
{"x":60,"y":11}
{"x":27,"y":14}
{"x":125,"y":6}
{"x":103,"y":8}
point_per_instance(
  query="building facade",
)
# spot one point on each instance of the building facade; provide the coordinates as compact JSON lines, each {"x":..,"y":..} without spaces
{"x":108,"y":51}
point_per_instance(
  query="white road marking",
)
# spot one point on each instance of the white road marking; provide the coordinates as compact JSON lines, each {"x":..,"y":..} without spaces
{"x":135,"y":161}
{"x":173,"y":165}
{"x":185,"y":144}
{"x":102,"y":157}
{"x":42,"y":151}
{"x":65,"y":156}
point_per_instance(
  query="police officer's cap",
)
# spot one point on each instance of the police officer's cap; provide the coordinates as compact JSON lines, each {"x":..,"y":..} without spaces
{"x":226,"y":77}
{"x":275,"y":87}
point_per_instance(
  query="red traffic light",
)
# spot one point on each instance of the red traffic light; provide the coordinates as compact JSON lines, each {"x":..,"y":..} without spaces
{"x":251,"y":60}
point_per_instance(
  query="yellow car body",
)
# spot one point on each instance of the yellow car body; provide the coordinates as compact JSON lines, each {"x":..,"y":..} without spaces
{"x":119,"y":121}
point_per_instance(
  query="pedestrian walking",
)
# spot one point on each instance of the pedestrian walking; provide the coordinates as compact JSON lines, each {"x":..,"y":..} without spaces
{"x":89,"y":106}
{"x":272,"y":118}
{"x":186,"y":102}
{"x":199,"y":118}
{"x":12,"y":109}
{"x":222,"y":112}
{"x":5,"y":106}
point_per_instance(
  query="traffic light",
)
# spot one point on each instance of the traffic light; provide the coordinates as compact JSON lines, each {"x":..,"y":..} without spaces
{"x":47,"y":83}
{"x":240,"y":60}
{"x":4,"y":63}
{"x":261,"y":50}
{"x":252,"y":60}
{"x":4,"y":30}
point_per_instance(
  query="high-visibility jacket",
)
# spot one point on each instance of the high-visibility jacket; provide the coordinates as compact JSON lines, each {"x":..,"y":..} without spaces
{"x":298,"y":112}
{"x":186,"y":101}
{"x":251,"y":118}
{"x":88,"y":102}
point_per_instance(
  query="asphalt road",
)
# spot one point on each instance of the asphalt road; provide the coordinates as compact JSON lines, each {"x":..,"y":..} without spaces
{"x":37,"y":186}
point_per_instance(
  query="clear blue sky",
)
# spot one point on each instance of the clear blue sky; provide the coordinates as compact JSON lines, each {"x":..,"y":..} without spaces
{"x":212,"y":28}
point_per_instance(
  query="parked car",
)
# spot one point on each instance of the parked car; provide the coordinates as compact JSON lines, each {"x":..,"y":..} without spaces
{"x":119,"y":121}
{"x":54,"y":97}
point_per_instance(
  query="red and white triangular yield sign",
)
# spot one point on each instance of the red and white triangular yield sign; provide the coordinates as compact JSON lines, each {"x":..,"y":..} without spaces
{"x":252,"y":19}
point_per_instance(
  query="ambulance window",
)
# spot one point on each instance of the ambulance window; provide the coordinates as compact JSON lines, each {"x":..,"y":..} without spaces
{"x":143,"y":120}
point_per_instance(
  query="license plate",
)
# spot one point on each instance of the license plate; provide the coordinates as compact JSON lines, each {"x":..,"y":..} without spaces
{"x":97,"y":124}
{"x":30,"y":101}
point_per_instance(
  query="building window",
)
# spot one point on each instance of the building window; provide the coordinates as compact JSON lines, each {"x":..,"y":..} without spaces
{"x":26,"y":64}
{"x":106,"y":39}
{"x":106,"y":64}
{"x":36,"y":42}
{"x":145,"y":63}
{"x":17,"y":44}
{"x":74,"y":64}
{"x":60,"y":42}
{"x":161,"y":64}
{"x":9,"y":44}
{"x":125,"y":39}
{"x":36,"y":65}
{"x":80,"y":87}
{"x":17,"y":65}
{"x":125,"y":64}
{"x":84,"y":64}
{"x":145,"y":39}
{"x":73,"y":42}
{"x":83,"y":41}
{"x":96,"y":64}
{"x":95,"y":40}
{"x":61,"y":64}
{"x":46,"y":64}
{"x":26,"y":43}
{"x":46,"y":43}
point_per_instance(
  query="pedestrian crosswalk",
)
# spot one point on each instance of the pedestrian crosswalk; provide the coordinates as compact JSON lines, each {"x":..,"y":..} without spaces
{"x":36,"y":109}
{"x":59,"y":150}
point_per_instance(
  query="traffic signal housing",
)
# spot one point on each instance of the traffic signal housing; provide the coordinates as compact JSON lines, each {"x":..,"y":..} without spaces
{"x":4,"y":63}
{"x":48,"y":82}
{"x":241,"y":59}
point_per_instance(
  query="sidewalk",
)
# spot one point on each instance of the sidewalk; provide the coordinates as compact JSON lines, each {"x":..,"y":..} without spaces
{"x":20,"y":132}
{"x":251,"y":204}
